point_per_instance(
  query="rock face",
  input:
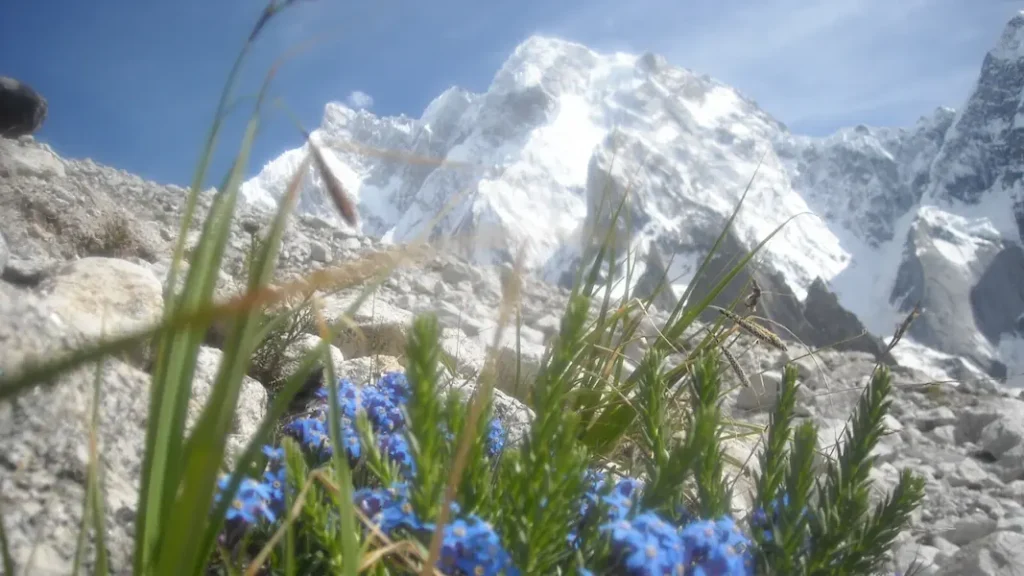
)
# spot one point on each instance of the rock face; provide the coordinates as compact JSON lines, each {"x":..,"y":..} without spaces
{"x":949,"y":288}
{"x":22,"y":109}
{"x":998,"y":298}
{"x":44,"y":434}
{"x":831,"y":323}
{"x":866,"y":178}
{"x":978,"y":156}
{"x":105,"y":297}
{"x":563,"y":134}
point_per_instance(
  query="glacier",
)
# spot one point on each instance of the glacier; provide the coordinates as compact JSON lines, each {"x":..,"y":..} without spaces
{"x":885,"y":217}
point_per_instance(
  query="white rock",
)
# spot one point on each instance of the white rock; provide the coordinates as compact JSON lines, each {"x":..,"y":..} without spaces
{"x":1003,"y":435}
{"x":295,"y":352}
{"x":319,"y":252}
{"x":106,"y":297}
{"x":252,"y":402}
{"x":967,"y":473}
{"x":998,"y":554}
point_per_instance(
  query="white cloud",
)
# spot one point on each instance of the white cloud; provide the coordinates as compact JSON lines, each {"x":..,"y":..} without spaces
{"x":358,"y":99}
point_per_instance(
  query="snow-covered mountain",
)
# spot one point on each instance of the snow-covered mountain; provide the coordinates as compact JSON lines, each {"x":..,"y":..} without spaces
{"x":884,"y":217}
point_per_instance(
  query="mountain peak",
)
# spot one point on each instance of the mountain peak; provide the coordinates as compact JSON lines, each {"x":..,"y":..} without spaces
{"x":563,"y":132}
{"x":543,"y":61}
{"x":544,"y":44}
{"x":1011,"y":43}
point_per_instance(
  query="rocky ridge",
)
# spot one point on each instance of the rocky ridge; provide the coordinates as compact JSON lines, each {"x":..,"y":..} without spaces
{"x":927,"y":214}
{"x":83,"y":240}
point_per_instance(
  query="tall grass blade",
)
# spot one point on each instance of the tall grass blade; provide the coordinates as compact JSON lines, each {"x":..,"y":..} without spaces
{"x":277,"y":409}
{"x":204,"y":449}
{"x":5,"y":549}
{"x":339,"y":461}
{"x":155,"y":453}
{"x":90,"y":483}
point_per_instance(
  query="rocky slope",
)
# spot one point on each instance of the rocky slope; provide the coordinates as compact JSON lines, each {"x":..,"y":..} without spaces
{"x":84,"y":246}
{"x":926,"y":214}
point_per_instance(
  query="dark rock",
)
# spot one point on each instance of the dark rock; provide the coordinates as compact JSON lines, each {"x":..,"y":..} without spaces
{"x":22,"y":109}
{"x":652,"y":281}
{"x":27,"y":273}
{"x":839,"y":328}
{"x":777,"y":304}
{"x":821,"y":321}
{"x":998,"y":297}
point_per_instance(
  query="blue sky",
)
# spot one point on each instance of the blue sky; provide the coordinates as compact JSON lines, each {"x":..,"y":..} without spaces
{"x":133,"y":83}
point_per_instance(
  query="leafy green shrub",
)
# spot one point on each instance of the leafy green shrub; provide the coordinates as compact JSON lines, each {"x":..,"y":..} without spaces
{"x":396,"y":478}
{"x":283,"y":330}
{"x":546,"y":506}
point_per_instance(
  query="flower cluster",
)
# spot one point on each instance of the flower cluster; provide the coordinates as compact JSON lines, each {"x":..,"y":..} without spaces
{"x":257,"y":500}
{"x":643,"y":543}
{"x":647,"y":545}
{"x":384,"y":405}
{"x":640,"y":542}
{"x":389,"y":508}
{"x":619,"y":502}
{"x":469,"y":542}
{"x":469,"y":546}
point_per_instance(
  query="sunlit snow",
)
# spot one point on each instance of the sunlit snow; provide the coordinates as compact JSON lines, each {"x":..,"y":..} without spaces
{"x":524,"y":153}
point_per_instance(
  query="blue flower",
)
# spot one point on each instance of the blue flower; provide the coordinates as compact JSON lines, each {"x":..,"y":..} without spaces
{"x":646,"y":545}
{"x":395,"y":385}
{"x":629,"y":487}
{"x":310,"y":432}
{"x":251,"y":503}
{"x":385,"y":415}
{"x":763,"y":524}
{"x":276,"y":481}
{"x":353,"y":446}
{"x":273,"y":454}
{"x":471,"y":546}
{"x":390,"y":508}
{"x":241,"y":511}
{"x":348,"y":396}
{"x":396,"y":447}
{"x":717,"y":547}
{"x":496,"y":437}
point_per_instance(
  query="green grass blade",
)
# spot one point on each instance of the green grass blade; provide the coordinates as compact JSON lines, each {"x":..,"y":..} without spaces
{"x":90,"y":482}
{"x":174,"y":373}
{"x":714,"y":248}
{"x":204,"y":449}
{"x":175,"y":368}
{"x":610,"y":425}
{"x":144,"y":543}
{"x":339,"y":461}
{"x":5,"y":549}
{"x":99,"y":527}
{"x":278,"y":408}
